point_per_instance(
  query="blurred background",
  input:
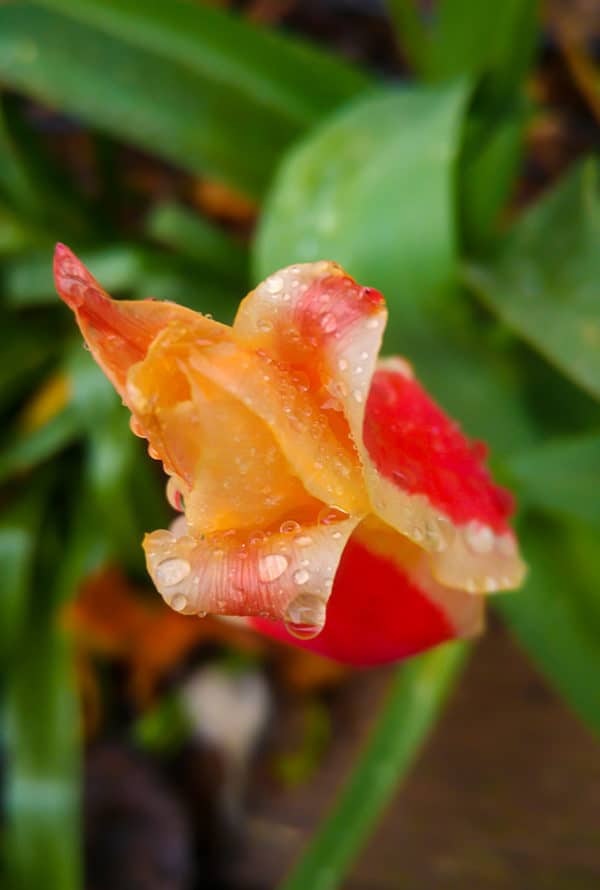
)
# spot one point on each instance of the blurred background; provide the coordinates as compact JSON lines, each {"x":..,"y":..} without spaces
{"x":443,"y":152}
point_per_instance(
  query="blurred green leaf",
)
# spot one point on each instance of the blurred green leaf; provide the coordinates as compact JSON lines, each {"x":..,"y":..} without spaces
{"x":163,"y":104}
{"x":15,"y":182}
{"x":296,"y":81}
{"x":542,"y":281}
{"x":19,"y":526}
{"x":562,"y":477}
{"x":372,"y":190}
{"x":42,"y":786}
{"x":164,"y":728}
{"x":556,"y":615}
{"x":24,"y":451}
{"x":41,"y":836}
{"x":29,"y":280}
{"x":202,"y":241}
{"x":491,"y":154}
{"x":413,"y":35}
{"x":414,"y":699}
{"x":484,"y":38}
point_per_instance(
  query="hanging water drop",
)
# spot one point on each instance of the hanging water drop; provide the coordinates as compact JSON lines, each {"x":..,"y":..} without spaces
{"x":305,"y":616}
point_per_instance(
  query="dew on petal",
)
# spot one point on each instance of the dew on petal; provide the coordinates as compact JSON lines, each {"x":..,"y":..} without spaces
{"x":179,"y":602}
{"x":330,"y":515}
{"x":172,"y":571}
{"x":305,"y":616}
{"x":328,"y":323}
{"x":304,"y":541}
{"x":301,"y":576}
{"x":264,"y":325}
{"x":274,"y":285}
{"x":289,"y":526}
{"x":272,"y":567}
{"x":480,"y":537}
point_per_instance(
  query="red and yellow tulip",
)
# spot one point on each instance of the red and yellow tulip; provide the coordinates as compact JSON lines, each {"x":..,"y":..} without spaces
{"x":324,"y":496}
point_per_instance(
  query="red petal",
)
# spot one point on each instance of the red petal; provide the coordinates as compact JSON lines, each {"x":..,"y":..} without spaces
{"x":418,"y":448}
{"x":375,"y":614}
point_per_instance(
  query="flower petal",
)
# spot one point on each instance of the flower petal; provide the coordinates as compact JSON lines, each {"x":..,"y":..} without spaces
{"x":286,"y":575}
{"x":385,"y":604}
{"x":225,"y":461}
{"x":119,"y":332}
{"x":431,"y":484}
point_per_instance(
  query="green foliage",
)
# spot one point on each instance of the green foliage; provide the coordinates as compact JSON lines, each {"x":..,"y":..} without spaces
{"x":542,"y":279}
{"x":414,"y":699}
{"x":405,"y":186}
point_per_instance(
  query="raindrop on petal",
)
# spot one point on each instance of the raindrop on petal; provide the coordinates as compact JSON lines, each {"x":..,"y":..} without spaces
{"x":179,"y":602}
{"x":305,"y":616}
{"x":272,"y":567}
{"x":289,"y":526}
{"x":172,"y":571}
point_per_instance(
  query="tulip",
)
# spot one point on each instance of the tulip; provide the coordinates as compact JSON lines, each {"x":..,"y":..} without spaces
{"x":325,"y":498}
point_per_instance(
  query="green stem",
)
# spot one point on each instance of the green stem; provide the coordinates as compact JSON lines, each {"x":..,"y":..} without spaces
{"x":417,"y":692}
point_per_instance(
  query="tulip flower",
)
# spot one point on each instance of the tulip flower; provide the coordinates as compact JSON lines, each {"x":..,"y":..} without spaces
{"x":325,"y":498}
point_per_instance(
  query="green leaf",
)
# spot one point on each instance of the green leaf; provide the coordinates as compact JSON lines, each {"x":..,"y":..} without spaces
{"x":412,"y":33}
{"x":562,"y":477}
{"x":41,"y":834}
{"x":26,"y":451}
{"x":372,"y":190}
{"x":415,"y":697}
{"x":294,"y":80}
{"x":42,"y":784}
{"x":19,"y":526}
{"x":556,"y":615}
{"x":499,"y":39}
{"x":200,"y":240}
{"x":162,"y":103}
{"x":28,"y":279}
{"x":542,"y":280}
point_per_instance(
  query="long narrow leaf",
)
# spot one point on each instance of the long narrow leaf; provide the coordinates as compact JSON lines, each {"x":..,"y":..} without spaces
{"x":414,"y":700}
{"x":542,"y":280}
{"x":298,"y":82}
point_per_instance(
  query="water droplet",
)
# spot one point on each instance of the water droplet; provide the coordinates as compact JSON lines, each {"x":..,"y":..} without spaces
{"x":136,"y":427}
{"x":272,"y":567}
{"x":337,"y":535}
{"x":328,"y":323}
{"x":172,"y":571}
{"x":289,"y":526}
{"x":305,"y":616}
{"x":491,"y":585}
{"x":359,"y":369}
{"x":342,"y":364}
{"x":301,"y":576}
{"x":480,"y":537}
{"x":174,"y":493}
{"x":264,"y":325}
{"x":372,"y":323}
{"x":304,"y":541}
{"x":506,"y":544}
{"x":330,"y":515}
{"x":364,"y":356}
{"x":274,"y":285}
{"x":357,"y":395}
{"x":417,"y":534}
{"x":179,"y":602}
